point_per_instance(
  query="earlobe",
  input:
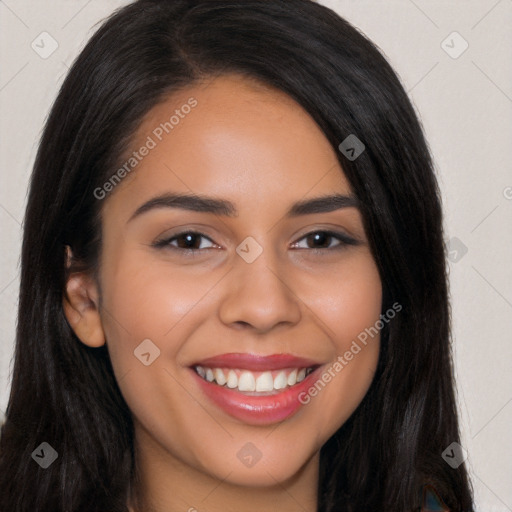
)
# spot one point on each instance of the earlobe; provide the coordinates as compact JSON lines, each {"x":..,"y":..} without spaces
{"x":81,"y":308}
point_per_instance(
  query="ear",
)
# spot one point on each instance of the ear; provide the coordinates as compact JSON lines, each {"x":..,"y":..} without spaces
{"x":81,"y":307}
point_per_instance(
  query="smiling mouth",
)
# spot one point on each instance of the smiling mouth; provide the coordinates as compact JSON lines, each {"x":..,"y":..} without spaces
{"x":254,"y":383}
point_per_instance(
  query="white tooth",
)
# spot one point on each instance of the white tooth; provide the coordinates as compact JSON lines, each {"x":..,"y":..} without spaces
{"x":209,"y":375}
{"x":301,"y":374}
{"x":280,"y":381}
{"x":219,"y":376}
{"x":265,"y":382}
{"x":201,"y":371}
{"x":232,"y":379}
{"x":246,"y":382}
{"x":292,"y":378}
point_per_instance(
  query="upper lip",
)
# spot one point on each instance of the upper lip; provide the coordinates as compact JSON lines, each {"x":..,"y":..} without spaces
{"x":256,"y":362}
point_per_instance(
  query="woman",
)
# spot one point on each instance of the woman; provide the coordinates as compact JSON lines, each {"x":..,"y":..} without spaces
{"x":258,"y":372}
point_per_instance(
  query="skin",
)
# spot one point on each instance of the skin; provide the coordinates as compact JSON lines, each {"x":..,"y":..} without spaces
{"x":259,"y":149}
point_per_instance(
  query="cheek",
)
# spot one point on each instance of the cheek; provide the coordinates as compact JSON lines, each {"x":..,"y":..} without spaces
{"x":165,"y":305}
{"x":347,"y":299}
{"x":348,"y":307}
{"x":149,"y":301}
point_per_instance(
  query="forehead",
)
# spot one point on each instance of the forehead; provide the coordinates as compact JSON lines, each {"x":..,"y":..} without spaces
{"x":233,"y":138}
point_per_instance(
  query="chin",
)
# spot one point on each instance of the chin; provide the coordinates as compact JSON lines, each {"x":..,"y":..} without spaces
{"x":278,"y":468}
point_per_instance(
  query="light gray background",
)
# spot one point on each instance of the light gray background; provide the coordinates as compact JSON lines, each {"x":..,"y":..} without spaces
{"x":465,"y":104}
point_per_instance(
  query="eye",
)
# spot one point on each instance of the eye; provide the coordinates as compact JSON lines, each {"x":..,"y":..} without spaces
{"x":324,"y":239}
{"x":185,"y":241}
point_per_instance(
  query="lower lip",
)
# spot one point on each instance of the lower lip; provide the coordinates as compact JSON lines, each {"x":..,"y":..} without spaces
{"x":257,"y":410}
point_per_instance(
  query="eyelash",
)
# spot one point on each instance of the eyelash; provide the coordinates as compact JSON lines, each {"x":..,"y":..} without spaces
{"x":342,"y":237}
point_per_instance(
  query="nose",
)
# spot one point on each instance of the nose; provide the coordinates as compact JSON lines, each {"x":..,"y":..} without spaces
{"x":259,"y":295}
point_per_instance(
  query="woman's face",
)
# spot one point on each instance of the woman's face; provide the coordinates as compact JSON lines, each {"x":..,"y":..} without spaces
{"x":266,"y":297}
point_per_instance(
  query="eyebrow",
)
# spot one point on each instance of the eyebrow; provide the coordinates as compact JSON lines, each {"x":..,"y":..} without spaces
{"x":206,"y":204}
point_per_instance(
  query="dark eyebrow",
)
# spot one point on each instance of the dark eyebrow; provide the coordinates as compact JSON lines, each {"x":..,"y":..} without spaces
{"x":205,"y":204}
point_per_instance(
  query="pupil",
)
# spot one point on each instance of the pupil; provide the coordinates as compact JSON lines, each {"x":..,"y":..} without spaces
{"x":321,"y":236}
{"x":188,"y":237}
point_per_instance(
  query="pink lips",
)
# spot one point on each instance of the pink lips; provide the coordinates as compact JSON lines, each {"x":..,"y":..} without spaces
{"x":256,"y":410}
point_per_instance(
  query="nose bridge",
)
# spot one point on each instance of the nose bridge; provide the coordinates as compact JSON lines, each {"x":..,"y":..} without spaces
{"x":256,"y":293}
{"x":258,"y":267}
